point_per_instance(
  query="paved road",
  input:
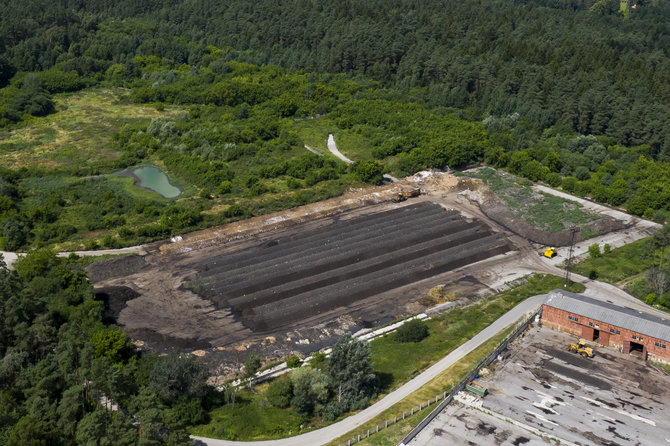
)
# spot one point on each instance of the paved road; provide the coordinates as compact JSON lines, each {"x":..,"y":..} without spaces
{"x":10,"y":257}
{"x":333,"y":149}
{"x":327,"y":434}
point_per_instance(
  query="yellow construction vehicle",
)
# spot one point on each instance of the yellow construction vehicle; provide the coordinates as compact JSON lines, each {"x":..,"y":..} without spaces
{"x":549,"y":253}
{"x":402,"y":195}
{"x":582,"y":349}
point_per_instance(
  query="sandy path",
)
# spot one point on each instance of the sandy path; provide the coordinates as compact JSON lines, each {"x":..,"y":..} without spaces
{"x":314,"y":151}
{"x":333,"y":149}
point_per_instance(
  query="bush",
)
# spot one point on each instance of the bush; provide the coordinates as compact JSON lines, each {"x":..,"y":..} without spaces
{"x":319,"y":361}
{"x":412,"y":331}
{"x":593,"y":274}
{"x":224,"y":187}
{"x":594,"y":250}
{"x":607,"y":248}
{"x":293,"y":183}
{"x":293,"y":362}
{"x":205,"y":193}
{"x":236,"y":210}
{"x":369,"y":171}
{"x":280,"y":393}
{"x":651,"y":299}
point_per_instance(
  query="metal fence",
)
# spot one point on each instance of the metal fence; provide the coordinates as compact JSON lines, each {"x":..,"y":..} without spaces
{"x":445,"y":397}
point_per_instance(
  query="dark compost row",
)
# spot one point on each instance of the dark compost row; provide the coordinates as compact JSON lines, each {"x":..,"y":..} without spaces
{"x":284,"y":280}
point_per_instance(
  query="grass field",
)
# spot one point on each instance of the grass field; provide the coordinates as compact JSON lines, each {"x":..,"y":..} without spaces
{"x":394,"y":362}
{"x":543,"y":211}
{"x":628,"y":266}
{"x":620,"y":264}
{"x":80,"y":132}
{"x":252,"y":419}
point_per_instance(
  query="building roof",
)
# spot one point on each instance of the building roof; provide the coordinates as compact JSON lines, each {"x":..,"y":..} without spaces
{"x":608,"y":313}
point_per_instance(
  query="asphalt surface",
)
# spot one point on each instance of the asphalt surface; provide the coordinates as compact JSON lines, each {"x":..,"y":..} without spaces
{"x":463,"y":425}
{"x":610,"y":399}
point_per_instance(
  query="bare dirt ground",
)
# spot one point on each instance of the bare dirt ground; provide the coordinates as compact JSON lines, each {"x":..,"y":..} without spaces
{"x":296,"y":280}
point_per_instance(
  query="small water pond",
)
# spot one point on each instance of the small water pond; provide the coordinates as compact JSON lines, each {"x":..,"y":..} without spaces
{"x":149,"y":177}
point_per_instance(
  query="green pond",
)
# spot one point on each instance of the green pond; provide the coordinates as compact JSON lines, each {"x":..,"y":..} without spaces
{"x":154,"y":179}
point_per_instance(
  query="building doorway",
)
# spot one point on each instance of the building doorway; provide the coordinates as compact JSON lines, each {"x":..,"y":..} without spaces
{"x":596,"y":334}
{"x":636,"y":347}
{"x":638,"y":350}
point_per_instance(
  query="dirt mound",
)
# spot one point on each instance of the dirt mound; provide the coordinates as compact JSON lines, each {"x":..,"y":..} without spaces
{"x":114,"y":298}
{"x":499,"y":213}
{"x":115,"y":267}
{"x":477,"y":192}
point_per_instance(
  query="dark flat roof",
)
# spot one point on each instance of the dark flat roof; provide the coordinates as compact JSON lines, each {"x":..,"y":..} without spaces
{"x":623,"y":317}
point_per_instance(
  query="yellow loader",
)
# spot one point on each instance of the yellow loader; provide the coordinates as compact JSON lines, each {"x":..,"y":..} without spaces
{"x":582,"y":349}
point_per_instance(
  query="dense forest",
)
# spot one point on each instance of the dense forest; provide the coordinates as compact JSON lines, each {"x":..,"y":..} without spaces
{"x":68,"y":378}
{"x":552,"y":61}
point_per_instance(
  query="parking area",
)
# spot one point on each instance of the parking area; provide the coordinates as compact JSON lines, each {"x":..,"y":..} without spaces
{"x":611,"y":399}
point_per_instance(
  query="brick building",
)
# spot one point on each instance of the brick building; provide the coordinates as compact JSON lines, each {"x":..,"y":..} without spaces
{"x":608,"y":324}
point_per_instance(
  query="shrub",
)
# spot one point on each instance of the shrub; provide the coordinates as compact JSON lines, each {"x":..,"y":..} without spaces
{"x":319,"y":361}
{"x":205,"y":193}
{"x":593,"y":274}
{"x":280,"y":393}
{"x":651,"y":298}
{"x":607,"y":248}
{"x":594,"y":250}
{"x":412,"y":331}
{"x":224,"y":187}
{"x":236,"y":210}
{"x":369,"y":171}
{"x":293,"y":183}
{"x":293,"y":362}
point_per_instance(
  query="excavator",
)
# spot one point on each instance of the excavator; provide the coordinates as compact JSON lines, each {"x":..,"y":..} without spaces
{"x":582,"y":349}
{"x":402,"y":196}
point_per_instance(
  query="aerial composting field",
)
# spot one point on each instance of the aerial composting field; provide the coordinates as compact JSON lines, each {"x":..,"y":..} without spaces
{"x":285,"y":280}
{"x":296,"y":280}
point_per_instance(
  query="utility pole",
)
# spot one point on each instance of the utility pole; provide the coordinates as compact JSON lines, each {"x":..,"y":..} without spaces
{"x":573,"y":232}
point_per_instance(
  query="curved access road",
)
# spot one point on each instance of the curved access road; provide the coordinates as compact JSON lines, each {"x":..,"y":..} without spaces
{"x":333,"y":149}
{"x":328,"y":433}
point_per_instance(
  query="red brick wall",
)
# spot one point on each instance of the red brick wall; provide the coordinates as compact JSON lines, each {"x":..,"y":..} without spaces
{"x":558,"y":319}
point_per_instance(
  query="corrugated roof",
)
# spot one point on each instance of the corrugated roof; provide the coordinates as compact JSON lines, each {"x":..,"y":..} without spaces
{"x":606,"y":312}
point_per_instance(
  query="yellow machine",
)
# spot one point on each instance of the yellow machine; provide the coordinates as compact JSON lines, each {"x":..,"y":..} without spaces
{"x":582,"y":349}
{"x":402,"y":196}
{"x":550,"y":253}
